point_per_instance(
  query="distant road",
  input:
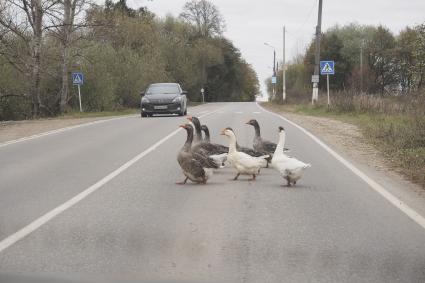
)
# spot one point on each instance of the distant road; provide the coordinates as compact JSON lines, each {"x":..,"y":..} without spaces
{"x":105,"y":203}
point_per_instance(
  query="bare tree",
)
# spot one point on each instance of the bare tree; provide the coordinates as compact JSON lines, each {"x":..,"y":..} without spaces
{"x":205,"y":16}
{"x":22,"y":23}
{"x":65,"y":22}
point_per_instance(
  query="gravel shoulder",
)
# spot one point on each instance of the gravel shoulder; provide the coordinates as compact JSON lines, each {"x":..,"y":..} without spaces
{"x":12,"y":130}
{"x":348,"y":140}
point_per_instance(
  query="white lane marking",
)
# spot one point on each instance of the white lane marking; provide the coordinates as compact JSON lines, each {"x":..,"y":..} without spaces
{"x":63,"y":130}
{"x":238,"y":112}
{"x":256,"y":112}
{"x":28,"y":229}
{"x":410,"y":212}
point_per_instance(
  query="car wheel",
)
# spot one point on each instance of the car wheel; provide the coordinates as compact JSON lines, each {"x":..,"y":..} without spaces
{"x":185,"y":112}
{"x":143,"y":115}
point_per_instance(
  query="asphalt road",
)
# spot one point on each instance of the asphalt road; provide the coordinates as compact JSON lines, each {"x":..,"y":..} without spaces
{"x":332,"y":227}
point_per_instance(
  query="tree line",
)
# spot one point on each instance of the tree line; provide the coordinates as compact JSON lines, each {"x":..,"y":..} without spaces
{"x":368,"y":59}
{"x":120,"y":50}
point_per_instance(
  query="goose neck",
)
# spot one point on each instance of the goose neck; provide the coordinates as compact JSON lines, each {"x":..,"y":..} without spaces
{"x":232,"y":143}
{"x":189,"y":139}
{"x":257,"y":130}
{"x":281,"y":144}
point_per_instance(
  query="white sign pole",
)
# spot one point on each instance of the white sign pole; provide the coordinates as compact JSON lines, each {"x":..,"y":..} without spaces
{"x":79,"y":98}
{"x":328,"y":89}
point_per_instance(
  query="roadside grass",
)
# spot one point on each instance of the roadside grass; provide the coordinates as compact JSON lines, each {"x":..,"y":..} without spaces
{"x":400,"y":136}
{"x":194,"y":103}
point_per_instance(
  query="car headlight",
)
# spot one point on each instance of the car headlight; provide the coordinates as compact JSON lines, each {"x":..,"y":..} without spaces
{"x":177,"y":99}
{"x":144,"y":99}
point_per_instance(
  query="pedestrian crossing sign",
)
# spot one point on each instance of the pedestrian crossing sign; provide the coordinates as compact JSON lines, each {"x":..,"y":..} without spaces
{"x":77,"y":78}
{"x":327,"y":67}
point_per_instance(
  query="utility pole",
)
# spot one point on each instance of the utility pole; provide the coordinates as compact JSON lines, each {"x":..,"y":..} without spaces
{"x":284,"y":69}
{"x":315,"y":94}
{"x":361,"y":66}
{"x":274,"y":72}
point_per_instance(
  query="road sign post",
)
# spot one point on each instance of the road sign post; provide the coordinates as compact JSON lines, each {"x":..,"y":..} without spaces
{"x":327,"y":79}
{"x":78,"y":79}
{"x":327,"y":68}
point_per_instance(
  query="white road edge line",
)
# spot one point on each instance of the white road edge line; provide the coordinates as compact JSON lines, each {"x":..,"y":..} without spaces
{"x":33,"y":226}
{"x":63,"y":130}
{"x":410,"y":212}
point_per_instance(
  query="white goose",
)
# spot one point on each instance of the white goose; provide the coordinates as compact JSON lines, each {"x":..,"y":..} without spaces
{"x":290,"y":168}
{"x":243,"y":163}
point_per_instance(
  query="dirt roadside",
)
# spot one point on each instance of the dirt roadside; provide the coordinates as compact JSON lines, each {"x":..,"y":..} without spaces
{"x":12,"y":130}
{"x":348,"y":140}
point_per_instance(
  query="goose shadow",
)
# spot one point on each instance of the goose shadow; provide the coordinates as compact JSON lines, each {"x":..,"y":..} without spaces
{"x":301,"y":188}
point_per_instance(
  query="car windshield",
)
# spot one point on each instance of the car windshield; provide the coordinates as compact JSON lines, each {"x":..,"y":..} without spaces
{"x":162,"y":89}
{"x":212,"y":141}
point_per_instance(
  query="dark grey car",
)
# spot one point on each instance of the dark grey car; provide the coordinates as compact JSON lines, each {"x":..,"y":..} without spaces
{"x":163,"y":98}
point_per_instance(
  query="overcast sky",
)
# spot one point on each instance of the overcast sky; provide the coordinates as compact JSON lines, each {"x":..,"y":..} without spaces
{"x":251,"y":23}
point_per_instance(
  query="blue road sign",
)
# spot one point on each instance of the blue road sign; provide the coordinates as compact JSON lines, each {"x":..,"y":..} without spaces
{"x":327,"y":67}
{"x":274,"y":80}
{"x":77,"y":78}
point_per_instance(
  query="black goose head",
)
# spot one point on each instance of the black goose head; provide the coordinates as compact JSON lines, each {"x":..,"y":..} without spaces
{"x":281,"y":129}
{"x":253,"y":122}
{"x":195,"y":121}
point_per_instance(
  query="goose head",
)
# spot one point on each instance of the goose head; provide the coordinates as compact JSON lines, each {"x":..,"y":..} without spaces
{"x":281,"y":131}
{"x":195,"y":121}
{"x":187,"y":127}
{"x":252,"y":122}
{"x":227,"y":132}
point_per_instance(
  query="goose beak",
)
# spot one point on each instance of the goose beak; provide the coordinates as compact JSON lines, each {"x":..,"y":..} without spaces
{"x":222,"y":132}
{"x":189,"y":118}
{"x":183,"y":126}
{"x":248,"y":123}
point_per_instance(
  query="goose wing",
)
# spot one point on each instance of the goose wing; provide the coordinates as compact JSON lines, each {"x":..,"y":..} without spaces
{"x":269,"y":146}
{"x":253,"y":152}
{"x":248,"y":161}
{"x":193,"y":167}
{"x":210,"y":148}
{"x":205,"y":161}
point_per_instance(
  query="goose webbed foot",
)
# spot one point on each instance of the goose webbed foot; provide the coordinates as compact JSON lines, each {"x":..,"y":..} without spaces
{"x":288,"y":182}
{"x":253,"y":177}
{"x":236,"y":177}
{"x":183,"y":182}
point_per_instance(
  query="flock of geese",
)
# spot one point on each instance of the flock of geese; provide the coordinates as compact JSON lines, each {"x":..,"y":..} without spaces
{"x":199,"y":157}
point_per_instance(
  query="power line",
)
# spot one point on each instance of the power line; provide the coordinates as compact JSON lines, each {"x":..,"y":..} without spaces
{"x":308,"y":17}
